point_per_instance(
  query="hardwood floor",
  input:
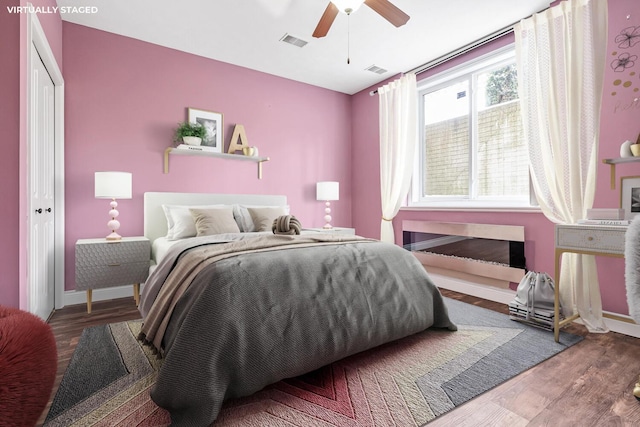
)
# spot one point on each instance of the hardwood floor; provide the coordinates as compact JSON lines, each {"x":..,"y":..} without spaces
{"x":68,"y":323}
{"x":590,"y":384}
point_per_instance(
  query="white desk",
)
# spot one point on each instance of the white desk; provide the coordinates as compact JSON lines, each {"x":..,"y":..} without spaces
{"x":605,"y":240}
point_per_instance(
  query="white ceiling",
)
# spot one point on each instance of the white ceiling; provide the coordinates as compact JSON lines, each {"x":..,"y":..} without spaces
{"x":248,"y":33}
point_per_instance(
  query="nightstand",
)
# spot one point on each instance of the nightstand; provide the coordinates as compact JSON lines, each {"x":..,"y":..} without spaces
{"x":104,"y":263}
{"x":334,"y":230}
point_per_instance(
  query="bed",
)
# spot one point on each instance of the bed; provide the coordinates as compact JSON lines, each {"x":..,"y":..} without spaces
{"x":232,"y":312}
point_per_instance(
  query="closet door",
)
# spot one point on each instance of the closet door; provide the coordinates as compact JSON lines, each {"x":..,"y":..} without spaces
{"x":41,"y":190}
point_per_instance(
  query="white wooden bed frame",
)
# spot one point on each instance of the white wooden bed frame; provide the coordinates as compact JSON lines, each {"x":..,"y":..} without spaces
{"x":155,"y":223}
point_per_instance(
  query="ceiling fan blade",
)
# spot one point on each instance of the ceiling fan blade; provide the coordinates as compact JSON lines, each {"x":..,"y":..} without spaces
{"x":326,"y":20}
{"x":388,"y":11}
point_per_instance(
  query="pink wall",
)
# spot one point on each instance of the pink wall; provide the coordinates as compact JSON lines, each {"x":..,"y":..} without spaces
{"x":619,"y":121}
{"x":124,"y":98}
{"x":9,"y":119}
{"x":13,"y":90}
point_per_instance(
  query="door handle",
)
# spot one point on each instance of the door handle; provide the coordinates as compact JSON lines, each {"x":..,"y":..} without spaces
{"x":48,"y":209}
{"x":39,"y":210}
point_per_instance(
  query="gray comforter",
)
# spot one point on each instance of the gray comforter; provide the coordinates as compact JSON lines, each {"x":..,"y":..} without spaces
{"x":252,"y":319}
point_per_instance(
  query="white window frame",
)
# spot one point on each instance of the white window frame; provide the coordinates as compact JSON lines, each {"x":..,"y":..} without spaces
{"x":503,"y":55}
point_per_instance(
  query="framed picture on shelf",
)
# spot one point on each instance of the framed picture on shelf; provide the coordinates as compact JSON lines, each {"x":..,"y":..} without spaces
{"x":630,"y":196}
{"x":212,"y":122}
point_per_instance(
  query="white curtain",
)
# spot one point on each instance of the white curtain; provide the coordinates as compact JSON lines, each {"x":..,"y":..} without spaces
{"x":561,"y":55}
{"x":398,"y":145}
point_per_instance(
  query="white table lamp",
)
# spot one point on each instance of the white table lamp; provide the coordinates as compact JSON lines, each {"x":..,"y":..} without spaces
{"x":327,"y":190}
{"x":113,"y":185}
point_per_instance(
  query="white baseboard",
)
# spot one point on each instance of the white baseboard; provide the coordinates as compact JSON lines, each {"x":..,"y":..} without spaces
{"x":80,"y":297}
{"x":626,"y":328}
{"x":505,"y":296}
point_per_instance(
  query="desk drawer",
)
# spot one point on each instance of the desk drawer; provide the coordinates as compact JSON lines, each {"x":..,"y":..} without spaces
{"x":591,"y":238}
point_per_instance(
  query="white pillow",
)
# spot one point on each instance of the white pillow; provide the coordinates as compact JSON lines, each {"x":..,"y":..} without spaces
{"x":214,"y":221}
{"x":180,"y":223}
{"x":243,"y":217}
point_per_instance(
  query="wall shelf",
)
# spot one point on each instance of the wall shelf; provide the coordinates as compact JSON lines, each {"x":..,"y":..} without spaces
{"x":613,"y":162}
{"x":183,"y":152}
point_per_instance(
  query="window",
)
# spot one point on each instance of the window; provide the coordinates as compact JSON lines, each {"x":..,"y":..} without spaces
{"x":472,"y":150}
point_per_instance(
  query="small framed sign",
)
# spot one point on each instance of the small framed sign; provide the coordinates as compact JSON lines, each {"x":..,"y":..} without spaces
{"x":212,"y":122}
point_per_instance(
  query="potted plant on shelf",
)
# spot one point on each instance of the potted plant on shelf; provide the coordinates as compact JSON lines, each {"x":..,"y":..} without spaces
{"x":190,"y":133}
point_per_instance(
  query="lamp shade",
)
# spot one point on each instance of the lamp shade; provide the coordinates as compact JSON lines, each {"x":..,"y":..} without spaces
{"x":327,"y":190}
{"x":113,"y":185}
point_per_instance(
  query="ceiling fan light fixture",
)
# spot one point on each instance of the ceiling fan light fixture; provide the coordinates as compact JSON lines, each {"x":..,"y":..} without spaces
{"x":384,"y":8}
{"x":347,"y":6}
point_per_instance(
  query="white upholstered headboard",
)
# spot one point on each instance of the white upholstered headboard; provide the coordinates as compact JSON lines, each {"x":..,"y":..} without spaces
{"x":155,"y":223}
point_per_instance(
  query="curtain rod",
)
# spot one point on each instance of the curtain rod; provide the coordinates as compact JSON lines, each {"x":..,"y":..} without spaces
{"x":464,"y":49}
{"x":455,"y":53}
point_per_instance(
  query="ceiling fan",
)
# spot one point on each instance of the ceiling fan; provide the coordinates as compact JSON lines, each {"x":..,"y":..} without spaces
{"x":383,"y":7}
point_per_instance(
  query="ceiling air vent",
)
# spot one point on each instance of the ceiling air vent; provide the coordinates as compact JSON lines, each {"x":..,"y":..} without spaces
{"x":376,"y":69}
{"x":287,"y":38}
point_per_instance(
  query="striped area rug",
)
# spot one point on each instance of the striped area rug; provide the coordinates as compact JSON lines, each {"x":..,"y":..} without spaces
{"x":404,"y":383}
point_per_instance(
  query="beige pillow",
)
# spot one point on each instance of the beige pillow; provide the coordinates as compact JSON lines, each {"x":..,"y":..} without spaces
{"x":180,"y":223}
{"x":214,"y":221}
{"x":263,"y":217}
{"x":243,"y":217}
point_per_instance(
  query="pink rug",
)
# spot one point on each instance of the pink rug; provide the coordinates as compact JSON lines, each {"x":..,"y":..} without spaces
{"x":404,"y":383}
